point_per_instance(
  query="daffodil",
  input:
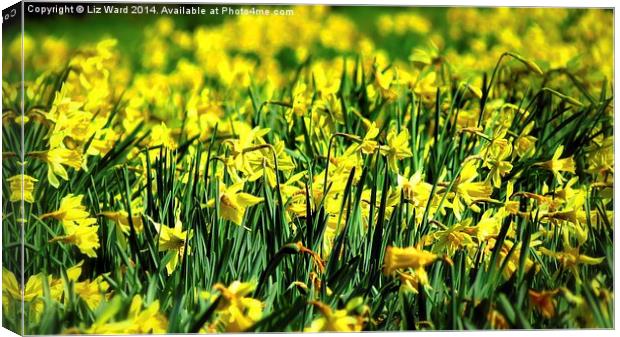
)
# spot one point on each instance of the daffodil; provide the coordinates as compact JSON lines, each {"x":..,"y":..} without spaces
{"x":161,"y":135}
{"x":172,"y":240}
{"x":488,"y":226}
{"x":544,"y":301}
{"x":56,"y":160}
{"x":557,"y":165}
{"x":92,"y":292}
{"x":453,"y":238}
{"x":426,"y":86}
{"x":233,"y":203}
{"x":497,"y":320}
{"x":32,"y":292}
{"x":71,"y":211}
{"x":326,"y":79}
{"x":408,"y":257}
{"x":261,"y":163}
{"x":351,"y":318}
{"x":383,"y":81}
{"x":139,"y":320}
{"x":237,"y":311}
{"x":148,"y":320}
{"x":103,"y":141}
{"x":513,"y":262}
{"x":71,"y":128}
{"x":300,"y":102}
{"x":15,"y":185}
{"x":525,"y":144}
{"x":415,"y":190}
{"x":413,"y":280}
{"x":123,"y":228}
{"x":495,"y":155}
{"x":63,"y":105}
{"x":570,"y":258}
{"x":247,"y":137}
{"x":85,"y":237}
{"x":10,"y":287}
{"x":398,"y":147}
{"x":600,"y":157}
{"x":121,"y":218}
{"x":428,"y":55}
{"x":329,"y":106}
{"x":368,"y":144}
{"x":468,"y":191}
{"x":80,"y":229}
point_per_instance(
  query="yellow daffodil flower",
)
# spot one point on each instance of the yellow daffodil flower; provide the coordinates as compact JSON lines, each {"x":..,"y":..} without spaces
{"x":56,"y":160}
{"x":544,"y":301}
{"x":398,"y":147}
{"x":557,"y":165}
{"x":570,"y":258}
{"x":408,"y":257}
{"x":92,"y":292}
{"x":233,"y":203}
{"x":80,"y":230}
{"x":15,"y":185}
{"x":468,"y":191}
{"x":172,"y":240}
{"x":352,"y":318}
{"x":71,"y":211}
{"x":237,"y":311}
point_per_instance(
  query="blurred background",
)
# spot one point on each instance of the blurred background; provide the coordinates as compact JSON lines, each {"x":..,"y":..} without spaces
{"x":553,"y":35}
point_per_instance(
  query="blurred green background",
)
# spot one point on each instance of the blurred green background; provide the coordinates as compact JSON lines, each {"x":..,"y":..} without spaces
{"x":128,"y":29}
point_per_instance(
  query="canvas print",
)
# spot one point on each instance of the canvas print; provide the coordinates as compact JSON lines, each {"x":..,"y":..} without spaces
{"x":212,"y":168}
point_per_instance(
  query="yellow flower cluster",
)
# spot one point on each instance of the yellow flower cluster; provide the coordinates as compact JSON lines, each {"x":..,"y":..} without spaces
{"x":305,"y":105}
